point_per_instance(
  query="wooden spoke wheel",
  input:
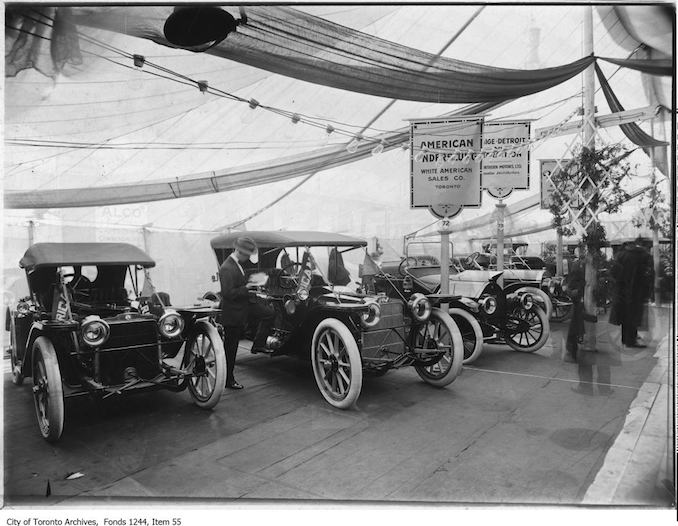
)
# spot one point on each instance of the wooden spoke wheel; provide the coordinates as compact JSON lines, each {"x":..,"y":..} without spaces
{"x":533,"y":330}
{"x":205,"y":358}
{"x":336,"y":362}
{"x":47,"y":390}
{"x":440,"y":332}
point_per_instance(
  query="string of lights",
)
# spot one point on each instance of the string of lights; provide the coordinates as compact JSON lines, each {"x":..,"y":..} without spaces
{"x":356,"y":138}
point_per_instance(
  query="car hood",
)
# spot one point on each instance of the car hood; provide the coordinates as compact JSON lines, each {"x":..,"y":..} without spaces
{"x":469,"y":283}
{"x":346,"y":299}
{"x":523,"y":275}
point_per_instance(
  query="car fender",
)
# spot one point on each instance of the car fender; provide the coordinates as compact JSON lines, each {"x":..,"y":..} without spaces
{"x":540,"y":298}
{"x":37,"y":330}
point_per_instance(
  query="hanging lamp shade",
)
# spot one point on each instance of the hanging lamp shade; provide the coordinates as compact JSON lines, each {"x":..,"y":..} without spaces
{"x":198,"y":28}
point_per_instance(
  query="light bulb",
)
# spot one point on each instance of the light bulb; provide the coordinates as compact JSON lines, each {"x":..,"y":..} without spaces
{"x":352,"y":147}
{"x":248,"y":115}
{"x":379,"y":148}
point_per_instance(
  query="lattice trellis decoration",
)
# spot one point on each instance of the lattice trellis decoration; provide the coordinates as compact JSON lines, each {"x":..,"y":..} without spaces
{"x":575,"y":198}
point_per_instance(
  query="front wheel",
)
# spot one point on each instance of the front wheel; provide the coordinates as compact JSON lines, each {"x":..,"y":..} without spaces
{"x":532,"y":330}
{"x":471,"y":333}
{"x":440,"y":332}
{"x":336,"y":362}
{"x":47,"y":390}
{"x":204,"y":356}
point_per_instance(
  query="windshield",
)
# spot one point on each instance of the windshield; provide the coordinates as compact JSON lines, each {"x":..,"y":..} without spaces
{"x":337,"y":266}
{"x":427,"y":251}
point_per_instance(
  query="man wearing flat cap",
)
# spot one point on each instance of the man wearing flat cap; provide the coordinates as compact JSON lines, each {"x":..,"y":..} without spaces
{"x":239,"y":304}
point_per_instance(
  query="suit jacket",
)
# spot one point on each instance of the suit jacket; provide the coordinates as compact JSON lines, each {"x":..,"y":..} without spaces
{"x":235,"y":297}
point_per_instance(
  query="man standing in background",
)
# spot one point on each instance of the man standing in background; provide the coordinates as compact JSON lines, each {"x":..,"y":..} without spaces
{"x":632,"y":273}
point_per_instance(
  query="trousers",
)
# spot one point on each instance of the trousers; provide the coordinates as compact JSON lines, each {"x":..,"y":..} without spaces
{"x":264,"y":316}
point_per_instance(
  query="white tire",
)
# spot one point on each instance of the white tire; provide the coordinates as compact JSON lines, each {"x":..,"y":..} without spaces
{"x":204,"y":356}
{"x":471,"y":333}
{"x":440,"y":331}
{"x":47,"y":390}
{"x":336,"y":362}
{"x":533,"y":338}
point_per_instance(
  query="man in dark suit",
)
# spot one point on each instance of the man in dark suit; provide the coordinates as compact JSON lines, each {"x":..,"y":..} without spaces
{"x":632,"y":269}
{"x":239,"y":304}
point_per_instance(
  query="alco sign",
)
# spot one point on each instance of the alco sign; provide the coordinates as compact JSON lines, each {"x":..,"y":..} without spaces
{"x":444,"y":162}
{"x":506,"y":155}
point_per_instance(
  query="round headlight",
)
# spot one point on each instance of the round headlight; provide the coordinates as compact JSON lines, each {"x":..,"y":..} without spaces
{"x":527,"y":301}
{"x":302,"y":294}
{"x":23,"y":308}
{"x":171,"y":324}
{"x":95,"y":331}
{"x":372,"y":315}
{"x":420,"y":306}
{"x":489,"y":304}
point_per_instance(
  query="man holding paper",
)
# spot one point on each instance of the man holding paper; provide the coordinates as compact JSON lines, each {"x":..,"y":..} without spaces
{"x":239,"y":304}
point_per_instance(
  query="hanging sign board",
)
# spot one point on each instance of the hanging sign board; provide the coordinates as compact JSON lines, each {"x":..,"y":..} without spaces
{"x":444,"y":162}
{"x":506,"y":157}
{"x":548,"y":167}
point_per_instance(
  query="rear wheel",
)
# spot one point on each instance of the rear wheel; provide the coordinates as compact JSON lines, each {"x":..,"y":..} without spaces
{"x":204,"y":356}
{"x":471,"y":333}
{"x":15,"y":363}
{"x":47,"y":390}
{"x":440,"y":332}
{"x":532,"y":332}
{"x":336,"y":362}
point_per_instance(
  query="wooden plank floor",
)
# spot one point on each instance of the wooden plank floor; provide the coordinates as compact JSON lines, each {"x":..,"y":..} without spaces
{"x":508,"y":430}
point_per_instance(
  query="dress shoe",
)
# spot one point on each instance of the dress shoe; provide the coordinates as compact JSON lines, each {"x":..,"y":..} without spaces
{"x":264,"y":350}
{"x":234,"y":385}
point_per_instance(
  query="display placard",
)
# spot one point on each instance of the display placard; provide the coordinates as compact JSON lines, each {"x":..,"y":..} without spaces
{"x":506,"y":155}
{"x":444,"y":162}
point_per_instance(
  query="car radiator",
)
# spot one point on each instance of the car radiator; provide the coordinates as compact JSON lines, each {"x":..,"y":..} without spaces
{"x":130,"y":344}
{"x":385,"y":341}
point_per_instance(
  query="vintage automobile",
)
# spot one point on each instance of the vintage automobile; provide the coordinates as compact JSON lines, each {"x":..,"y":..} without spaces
{"x":80,"y":333}
{"x":529,"y":274}
{"x":322,"y":316}
{"x":504,"y":316}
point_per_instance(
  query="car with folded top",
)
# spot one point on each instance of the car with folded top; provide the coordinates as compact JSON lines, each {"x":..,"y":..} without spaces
{"x":89,"y":327}
{"x":322,"y":315}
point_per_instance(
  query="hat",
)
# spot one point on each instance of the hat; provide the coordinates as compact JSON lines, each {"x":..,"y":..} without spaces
{"x":246,"y":245}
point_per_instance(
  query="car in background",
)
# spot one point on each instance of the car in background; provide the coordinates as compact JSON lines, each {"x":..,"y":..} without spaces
{"x":79,"y":332}
{"x":504,"y":315}
{"x":323,"y":316}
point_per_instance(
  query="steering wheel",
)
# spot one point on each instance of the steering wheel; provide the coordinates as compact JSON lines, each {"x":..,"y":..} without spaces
{"x":470,"y":261}
{"x":289,"y":281}
{"x":78,"y":284}
{"x":405,"y":265}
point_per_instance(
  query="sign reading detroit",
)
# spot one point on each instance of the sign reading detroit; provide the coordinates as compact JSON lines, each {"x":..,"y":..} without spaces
{"x":506,"y":157}
{"x":444,"y":162}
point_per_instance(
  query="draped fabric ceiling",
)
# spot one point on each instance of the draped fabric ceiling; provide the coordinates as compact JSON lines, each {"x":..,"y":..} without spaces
{"x":289,"y":42}
{"x":216,"y":181}
{"x":300,"y":46}
{"x":296,"y":44}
